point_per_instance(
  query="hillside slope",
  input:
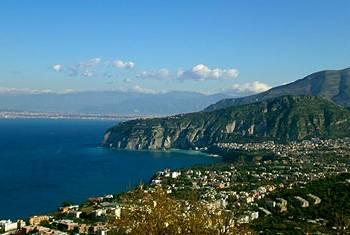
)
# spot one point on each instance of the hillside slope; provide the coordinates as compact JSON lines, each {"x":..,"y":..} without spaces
{"x":330,"y":84}
{"x":282,"y":119}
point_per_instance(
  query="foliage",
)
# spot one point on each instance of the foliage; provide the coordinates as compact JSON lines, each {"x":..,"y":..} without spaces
{"x":157,"y":213}
{"x":332,"y":215}
{"x":66,"y":203}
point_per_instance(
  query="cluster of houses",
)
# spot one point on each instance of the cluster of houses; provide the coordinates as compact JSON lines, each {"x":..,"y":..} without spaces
{"x":241,"y":187}
{"x":68,"y":221}
{"x":302,"y":148}
{"x":217,"y":190}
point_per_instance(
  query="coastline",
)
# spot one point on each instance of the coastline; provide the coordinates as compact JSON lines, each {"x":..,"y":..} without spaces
{"x":172,"y":150}
{"x":50,"y":134}
{"x":147,"y":183}
{"x":66,"y":116}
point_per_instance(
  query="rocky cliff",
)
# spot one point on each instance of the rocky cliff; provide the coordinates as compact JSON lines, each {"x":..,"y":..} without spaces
{"x":281,"y":119}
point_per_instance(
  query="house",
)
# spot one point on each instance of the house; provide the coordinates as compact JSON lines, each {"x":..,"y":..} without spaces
{"x":304,"y":203}
{"x":66,"y":225}
{"x":100,"y":212}
{"x":175,"y":174}
{"x":7,"y":225}
{"x":75,"y":214}
{"x":254,"y":215}
{"x":282,"y":204}
{"x":101,"y":231}
{"x":40,"y":230}
{"x":108,"y":197}
{"x":116,"y":212}
{"x":316,"y":199}
{"x":267,"y":212}
{"x":66,"y":209}
{"x":36,"y":220}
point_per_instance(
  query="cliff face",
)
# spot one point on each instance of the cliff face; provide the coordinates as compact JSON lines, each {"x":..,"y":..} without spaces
{"x":281,"y":119}
{"x":333,"y":85}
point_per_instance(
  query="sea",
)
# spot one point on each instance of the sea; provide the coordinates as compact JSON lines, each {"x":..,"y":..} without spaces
{"x":46,"y":162}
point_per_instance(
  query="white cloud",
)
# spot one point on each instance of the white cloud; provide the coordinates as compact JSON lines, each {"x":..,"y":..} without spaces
{"x":82,"y":69}
{"x":199,"y":72}
{"x":22,"y":91}
{"x":140,"y":89}
{"x":157,"y":74}
{"x":252,"y":87}
{"x":90,"y":63}
{"x":136,"y":89}
{"x":92,"y":68}
{"x":87,"y":74}
{"x":57,"y":67}
{"x":123,"y":64}
{"x":202,"y":72}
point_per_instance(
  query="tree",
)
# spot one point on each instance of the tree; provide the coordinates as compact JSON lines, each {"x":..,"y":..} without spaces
{"x":342,"y":223}
{"x":66,"y":203}
{"x":153,"y":213}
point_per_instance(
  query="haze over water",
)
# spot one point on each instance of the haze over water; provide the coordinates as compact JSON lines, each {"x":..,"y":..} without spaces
{"x":46,"y":162}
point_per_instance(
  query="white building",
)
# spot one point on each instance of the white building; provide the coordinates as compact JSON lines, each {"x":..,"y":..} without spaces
{"x":109,"y":196}
{"x":317,"y":200}
{"x":156,"y":181}
{"x":254,"y":215}
{"x":118,"y":212}
{"x":75,"y":214}
{"x":8,"y":225}
{"x":101,"y":232}
{"x":100,"y":212}
{"x":175,"y":174}
{"x":304,"y":203}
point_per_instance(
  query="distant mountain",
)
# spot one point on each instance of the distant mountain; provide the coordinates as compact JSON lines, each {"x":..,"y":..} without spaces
{"x":110,"y":102}
{"x":330,"y":84}
{"x":281,"y":119}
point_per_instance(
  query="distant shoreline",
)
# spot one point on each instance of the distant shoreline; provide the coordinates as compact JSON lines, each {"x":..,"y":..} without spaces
{"x":171,"y":150}
{"x":67,"y":116}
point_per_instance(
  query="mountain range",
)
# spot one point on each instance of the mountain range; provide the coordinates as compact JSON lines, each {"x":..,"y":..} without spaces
{"x":110,"y":102}
{"x":333,"y":85}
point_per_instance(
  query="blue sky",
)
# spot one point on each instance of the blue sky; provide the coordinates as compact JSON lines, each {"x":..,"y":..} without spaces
{"x":150,"y":46}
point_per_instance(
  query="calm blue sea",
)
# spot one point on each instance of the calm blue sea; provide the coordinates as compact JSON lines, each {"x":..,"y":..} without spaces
{"x":46,"y":162}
